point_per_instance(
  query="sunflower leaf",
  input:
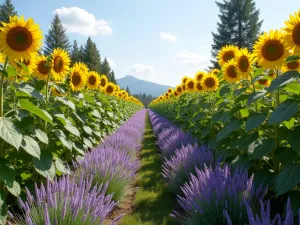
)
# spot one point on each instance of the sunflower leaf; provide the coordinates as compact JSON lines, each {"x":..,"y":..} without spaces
{"x":283,"y":80}
{"x":285,"y":111}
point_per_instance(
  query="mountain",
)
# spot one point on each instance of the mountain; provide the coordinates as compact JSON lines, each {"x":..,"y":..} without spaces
{"x":137,"y":86}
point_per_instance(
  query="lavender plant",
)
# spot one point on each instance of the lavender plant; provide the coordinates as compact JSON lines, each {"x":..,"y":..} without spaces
{"x":212,"y":191}
{"x":66,"y":201}
{"x":184,"y":162}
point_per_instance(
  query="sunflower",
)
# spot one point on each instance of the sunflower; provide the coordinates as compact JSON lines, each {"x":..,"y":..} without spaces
{"x":230,"y":73}
{"x":103,"y":82}
{"x":199,"y":75}
{"x":210,"y":82}
{"x":243,"y":61}
{"x":190,"y":84}
{"x":264,"y":82}
{"x":270,"y":50}
{"x":184,"y":79}
{"x":56,"y":92}
{"x":110,"y":88}
{"x":178,"y":89}
{"x":20,"y":38}
{"x":198,"y":86}
{"x":93,"y":80}
{"x":272,"y":74}
{"x":215,"y":72}
{"x":292,"y":33}
{"x":60,"y":64}
{"x":30,"y":63}
{"x":227,"y":53}
{"x":42,"y":69}
{"x":170,"y":90}
{"x":175,"y":94}
{"x":77,"y":78}
{"x":294,"y":65}
{"x":82,"y":66}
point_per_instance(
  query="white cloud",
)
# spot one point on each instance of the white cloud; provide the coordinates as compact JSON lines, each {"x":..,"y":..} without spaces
{"x":168,"y":37}
{"x":140,"y":68}
{"x":77,"y":20}
{"x":192,"y":58}
{"x":111,"y":62}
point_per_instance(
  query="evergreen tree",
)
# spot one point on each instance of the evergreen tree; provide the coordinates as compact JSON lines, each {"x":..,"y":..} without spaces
{"x":7,"y":10}
{"x":56,"y":37}
{"x":106,"y":69}
{"x":239,"y":25}
{"x":113,"y":77}
{"x":81,"y":53}
{"x":128,"y":91}
{"x":97,"y":60}
{"x":75,"y":53}
{"x":90,"y":55}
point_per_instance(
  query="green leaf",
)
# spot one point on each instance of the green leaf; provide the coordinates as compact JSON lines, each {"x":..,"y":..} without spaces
{"x":292,"y":58}
{"x":255,"y":96}
{"x":66,"y":102}
{"x":283,"y":80}
{"x":62,"y":137}
{"x":11,"y":71}
{"x":289,"y":124}
{"x":255,"y":121}
{"x":285,"y":111}
{"x":7,"y":174}
{"x":264,"y":177}
{"x":285,"y":155}
{"x":293,"y":138}
{"x":87,"y":142}
{"x":41,"y":135}
{"x":241,"y":161}
{"x":44,"y":165}
{"x":293,"y":88}
{"x":14,"y":189}
{"x":288,"y":178}
{"x":61,"y":166}
{"x":27,"y":105}
{"x":224,"y":90}
{"x":24,"y":67}
{"x":79,"y":148}
{"x":88,"y":130}
{"x":260,"y":148}
{"x":240,"y":91}
{"x":233,"y":125}
{"x":216,"y":117}
{"x":257,"y":78}
{"x":3,"y":208}
{"x":9,"y":133}
{"x":31,"y":146}
{"x":26,"y":88}
{"x":97,"y":114}
{"x":72,"y":129}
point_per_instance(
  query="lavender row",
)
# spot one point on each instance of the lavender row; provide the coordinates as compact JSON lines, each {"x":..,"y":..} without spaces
{"x":90,"y":193}
{"x":209,"y":192}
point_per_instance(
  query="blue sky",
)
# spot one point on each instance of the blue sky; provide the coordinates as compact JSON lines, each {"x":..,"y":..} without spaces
{"x":157,"y":40}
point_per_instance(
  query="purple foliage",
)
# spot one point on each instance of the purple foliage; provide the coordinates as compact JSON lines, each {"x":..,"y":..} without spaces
{"x":184,"y":162}
{"x":211,"y":191}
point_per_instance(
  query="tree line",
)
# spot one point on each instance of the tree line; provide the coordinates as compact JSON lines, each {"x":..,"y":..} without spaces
{"x":57,"y":37}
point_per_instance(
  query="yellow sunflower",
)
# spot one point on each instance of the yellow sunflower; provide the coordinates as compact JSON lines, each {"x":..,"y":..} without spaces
{"x":226,"y":53}
{"x":243,"y":63}
{"x":77,"y":78}
{"x":294,"y":65}
{"x":175,"y":94}
{"x":42,"y":69}
{"x":82,"y":66}
{"x":184,"y":79}
{"x":170,"y":90}
{"x":292,"y":33}
{"x":198,"y":86}
{"x":272,"y":74}
{"x":230,"y":73}
{"x":19,"y":38}
{"x":190,"y":84}
{"x":60,"y":62}
{"x":30,"y":63}
{"x":270,"y":50}
{"x":215,"y":72}
{"x":103,"y":82}
{"x":210,"y":82}
{"x":199,"y":75}
{"x":110,"y":88}
{"x":56,"y":92}
{"x":93,"y":80}
{"x":264,"y":82}
{"x":179,"y":89}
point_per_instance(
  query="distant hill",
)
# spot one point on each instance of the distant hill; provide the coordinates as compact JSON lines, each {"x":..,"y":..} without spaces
{"x":137,"y":86}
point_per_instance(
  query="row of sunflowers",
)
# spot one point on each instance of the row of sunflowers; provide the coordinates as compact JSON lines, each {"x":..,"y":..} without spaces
{"x":51,"y":113}
{"x":248,"y":111}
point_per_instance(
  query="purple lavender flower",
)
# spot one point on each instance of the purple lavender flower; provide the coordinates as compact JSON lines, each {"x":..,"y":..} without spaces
{"x":212,"y":191}
{"x":184,"y":162}
{"x":81,"y":203}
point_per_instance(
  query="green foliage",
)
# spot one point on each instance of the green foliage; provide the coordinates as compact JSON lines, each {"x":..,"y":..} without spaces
{"x":7,"y":9}
{"x":91,"y":56}
{"x":75,"y":53}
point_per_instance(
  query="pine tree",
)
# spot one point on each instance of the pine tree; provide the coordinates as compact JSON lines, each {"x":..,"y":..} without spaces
{"x":81,"y":53}
{"x":106,"y":69}
{"x":90,"y":57}
{"x":239,"y":25}
{"x":56,"y":37}
{"x":113,"y":77}
{"x":7,"y":10}
{"x":75,"y":53}
{"x":97,"y":60}
{"x":127,"y":90}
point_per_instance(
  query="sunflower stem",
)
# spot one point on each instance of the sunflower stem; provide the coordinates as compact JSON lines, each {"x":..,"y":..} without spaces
{"x":47,"y":99}
{"x":277,"y":102}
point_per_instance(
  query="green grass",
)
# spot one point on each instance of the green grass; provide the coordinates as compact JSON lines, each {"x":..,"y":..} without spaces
{"x":154,"y":201}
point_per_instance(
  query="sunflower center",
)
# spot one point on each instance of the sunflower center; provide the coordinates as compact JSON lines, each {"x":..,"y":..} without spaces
{"x":92,"y":80}
{"x":184,"y":80}
{"x":273,"y":50}
{"x":183,"y":87}
{"x":293,"y":65}
{"x":110,"y":89}
{"x":43,"y":68}
{"x":199,"y":87}
{"x":244,"y":63}
{"x":199,"y":77}
{"x":228,"y":55}
{"x":76,"y":79}
{"x":103,"y":82}
{"x":296,"y":34}
{"x":262,"y":81}
{"x":231,"y":72}
{"x":19,"y":39}
{"x":210,"y":82}
{"x":175,"y":93}
{"x":58,"y":64}
{"x":191,"y":85}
